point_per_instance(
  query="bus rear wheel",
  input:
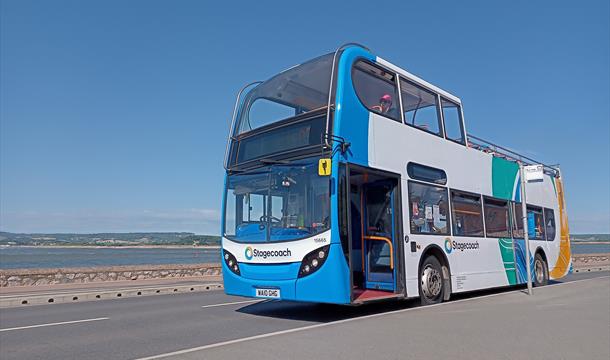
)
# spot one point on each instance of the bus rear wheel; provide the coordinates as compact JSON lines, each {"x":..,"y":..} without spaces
{"x":541,"y":271}
{"x":431,"y":284}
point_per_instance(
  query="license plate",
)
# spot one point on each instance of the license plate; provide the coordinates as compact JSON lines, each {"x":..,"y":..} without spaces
{"x":268,"y":293}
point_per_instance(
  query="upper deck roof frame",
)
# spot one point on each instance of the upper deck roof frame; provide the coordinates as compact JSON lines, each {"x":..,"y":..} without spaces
{"x":418,"y":80}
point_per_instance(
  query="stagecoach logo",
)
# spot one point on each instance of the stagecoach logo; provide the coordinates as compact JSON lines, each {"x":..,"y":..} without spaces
{"x":451,"y":245}
{"x":448,"y":246}
{"x":248,"y":253}
{"x":251,"y":253}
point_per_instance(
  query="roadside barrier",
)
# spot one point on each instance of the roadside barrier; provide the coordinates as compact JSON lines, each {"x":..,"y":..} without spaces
{"x":26,"y":300}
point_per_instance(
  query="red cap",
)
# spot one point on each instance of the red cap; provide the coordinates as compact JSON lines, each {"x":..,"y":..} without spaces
{"x":386,"y":97}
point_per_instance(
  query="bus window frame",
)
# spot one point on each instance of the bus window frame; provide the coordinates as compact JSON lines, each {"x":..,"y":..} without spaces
{"x":508,"y":207}
{"x":464,"y":141}
{"x":448,"y":216}
{"x":546,"y":233}
{"x":395,"y":82}
{"x":536,"y":208}
{"x":514,"y":219}
{"x":473,"y":194}
{"x":412,"y":164}
{"x":441,"y":127}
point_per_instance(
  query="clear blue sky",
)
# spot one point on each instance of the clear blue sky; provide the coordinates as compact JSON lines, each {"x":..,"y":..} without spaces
{"x":114,"y":114}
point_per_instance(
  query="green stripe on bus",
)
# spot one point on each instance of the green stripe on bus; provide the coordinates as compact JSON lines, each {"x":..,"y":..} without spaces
{"x":503,"y":174}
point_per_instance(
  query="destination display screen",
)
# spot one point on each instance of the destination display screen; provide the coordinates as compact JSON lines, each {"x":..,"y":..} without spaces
{"x":285,"y":138}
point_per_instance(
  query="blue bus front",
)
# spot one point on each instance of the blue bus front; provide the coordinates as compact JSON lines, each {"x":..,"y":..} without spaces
{"x":280,"y":224}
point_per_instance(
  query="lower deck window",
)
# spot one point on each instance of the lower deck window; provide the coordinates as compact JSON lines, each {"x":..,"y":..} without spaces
{"x":428,"y":209}
{"x":549,"y":221}
{"x":497,"y":222}
{"x":467,"y":214}
{"x":517,"y":220}
{"x":535,"y":223}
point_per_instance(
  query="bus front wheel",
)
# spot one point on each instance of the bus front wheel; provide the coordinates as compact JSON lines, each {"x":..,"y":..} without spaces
{"x":431,"y":284}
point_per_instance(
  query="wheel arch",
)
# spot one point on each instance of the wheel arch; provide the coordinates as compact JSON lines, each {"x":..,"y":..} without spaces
{"x":436,"y":251}
{"x":540,"y":250}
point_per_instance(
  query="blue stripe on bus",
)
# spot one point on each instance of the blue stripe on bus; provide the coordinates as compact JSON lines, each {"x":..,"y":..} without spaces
{"x":351,"y":117}
{"x":330,"y":284}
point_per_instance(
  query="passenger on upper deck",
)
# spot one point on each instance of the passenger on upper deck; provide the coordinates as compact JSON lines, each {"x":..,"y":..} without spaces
{"x":385,"y":106}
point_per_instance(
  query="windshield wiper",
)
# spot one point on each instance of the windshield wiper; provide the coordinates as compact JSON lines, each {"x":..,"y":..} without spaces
{"x":272,"y":161}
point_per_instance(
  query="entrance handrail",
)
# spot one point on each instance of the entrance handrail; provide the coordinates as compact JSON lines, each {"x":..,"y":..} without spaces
{"x":383,"y":238}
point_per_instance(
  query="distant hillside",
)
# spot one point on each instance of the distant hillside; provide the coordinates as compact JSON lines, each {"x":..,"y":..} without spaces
{"x":590,"y":237}
{"x":109,"y":239}
{"x":158,"y":238}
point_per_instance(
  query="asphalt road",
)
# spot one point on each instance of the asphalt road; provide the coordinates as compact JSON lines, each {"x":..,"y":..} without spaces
{"x":565,"y":321}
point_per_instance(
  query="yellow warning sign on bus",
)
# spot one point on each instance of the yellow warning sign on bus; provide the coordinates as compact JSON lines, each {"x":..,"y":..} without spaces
{"x":324,"y":167}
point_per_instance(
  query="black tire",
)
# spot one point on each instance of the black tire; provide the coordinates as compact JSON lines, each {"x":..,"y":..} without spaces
{"x":541,"y":271}
{"x":431,"y":282}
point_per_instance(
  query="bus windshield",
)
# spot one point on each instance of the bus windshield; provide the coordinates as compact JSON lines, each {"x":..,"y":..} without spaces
{"x":297,"y":90}
{"x":278,"y":203}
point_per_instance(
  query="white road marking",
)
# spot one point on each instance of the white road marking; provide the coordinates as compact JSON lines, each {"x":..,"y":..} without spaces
{"x":53,"y":324}
{"x":550,"y":305}
{"x":232,"y":303}
{"x":309,"y":327}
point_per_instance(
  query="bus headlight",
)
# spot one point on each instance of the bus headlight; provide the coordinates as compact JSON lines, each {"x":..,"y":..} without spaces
{"x":230,"y":261}
{"x":313,"y":261}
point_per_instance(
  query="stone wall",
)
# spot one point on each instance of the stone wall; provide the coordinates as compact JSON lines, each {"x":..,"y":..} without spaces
{"x":32,"y":277}
{"x":589,"y":260}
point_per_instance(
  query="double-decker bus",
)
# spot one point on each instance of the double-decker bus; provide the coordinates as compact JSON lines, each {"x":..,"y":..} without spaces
{"x":350,"y":180}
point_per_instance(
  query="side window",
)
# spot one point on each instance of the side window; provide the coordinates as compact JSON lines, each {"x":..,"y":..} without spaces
{"x":535,"y":223}
{"x":426,"y":173}
{"x":517,"y":220}
{"x":453,"y":121}
{"x":420,"y":107}
{"x":549,"y":221}
{"x":233,"y":213}
{"x":428,"y":209}
{"x":497,"y":223}
{"x":376,"y":89}
{"x":467,"y":214}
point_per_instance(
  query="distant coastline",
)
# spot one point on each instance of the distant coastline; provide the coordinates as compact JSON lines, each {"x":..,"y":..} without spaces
{"x":93,"y":246}
{"x":178,"y":246}
{"x":589,"y":242}
{"x":164,"y":240}
{"x":119,"y":240}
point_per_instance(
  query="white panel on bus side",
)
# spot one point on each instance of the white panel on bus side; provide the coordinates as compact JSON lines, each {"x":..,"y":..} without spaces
{"x":392,"y":145}
{"x":395,"y":145}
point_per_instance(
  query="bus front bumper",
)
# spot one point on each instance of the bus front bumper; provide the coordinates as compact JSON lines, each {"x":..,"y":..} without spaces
{"x":330,"y":284}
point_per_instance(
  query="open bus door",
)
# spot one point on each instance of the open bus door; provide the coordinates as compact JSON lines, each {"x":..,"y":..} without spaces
{"x":378,"y":236}
{"x":375,"y":249}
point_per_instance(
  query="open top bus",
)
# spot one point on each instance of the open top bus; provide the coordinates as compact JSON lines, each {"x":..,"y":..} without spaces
{"x":350,"y":180}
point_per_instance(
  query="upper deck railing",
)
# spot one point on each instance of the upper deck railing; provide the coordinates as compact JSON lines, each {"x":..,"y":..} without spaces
{"x":502,"y":152}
